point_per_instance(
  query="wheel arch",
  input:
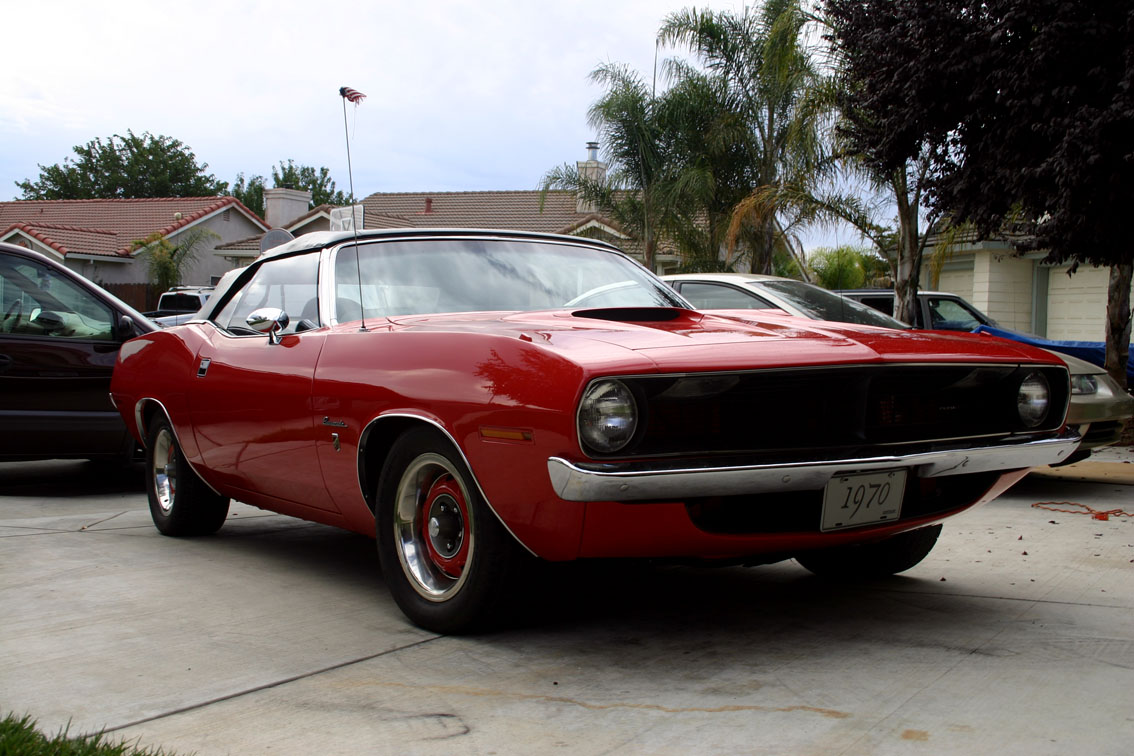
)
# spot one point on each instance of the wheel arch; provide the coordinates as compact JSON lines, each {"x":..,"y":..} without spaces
{"x":145,"y":410}
{"x":374,"y":447}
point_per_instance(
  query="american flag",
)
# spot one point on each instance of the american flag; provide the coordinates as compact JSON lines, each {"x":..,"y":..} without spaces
{"x":352,"y":94}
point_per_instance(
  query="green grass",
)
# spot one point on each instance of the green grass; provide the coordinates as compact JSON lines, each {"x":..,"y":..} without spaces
{"x":18,"y":737}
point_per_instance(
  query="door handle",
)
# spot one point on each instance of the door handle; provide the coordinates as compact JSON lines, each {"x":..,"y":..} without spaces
{"x":5,"y":363}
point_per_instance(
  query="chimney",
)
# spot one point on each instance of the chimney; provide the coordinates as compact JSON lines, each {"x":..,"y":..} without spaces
{"x":428,"y":204}
{"x":591,"y":169}
{"x":282,"y":206}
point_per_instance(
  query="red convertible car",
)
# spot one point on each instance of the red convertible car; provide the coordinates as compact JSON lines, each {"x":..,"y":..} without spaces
{"x":472,"y":399}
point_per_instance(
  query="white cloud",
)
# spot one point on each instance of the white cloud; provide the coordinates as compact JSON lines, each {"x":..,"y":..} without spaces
{"x":460,"y":95}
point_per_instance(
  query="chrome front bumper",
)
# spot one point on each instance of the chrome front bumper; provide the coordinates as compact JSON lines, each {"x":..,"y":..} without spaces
{"x":639,"y":481}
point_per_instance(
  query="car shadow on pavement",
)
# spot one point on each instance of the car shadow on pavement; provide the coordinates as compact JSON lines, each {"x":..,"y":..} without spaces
{"x":622,"y":596}
{"x":52,"y":479}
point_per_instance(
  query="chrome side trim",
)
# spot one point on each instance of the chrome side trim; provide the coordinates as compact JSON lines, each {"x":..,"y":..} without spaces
{"x":638,"y":482}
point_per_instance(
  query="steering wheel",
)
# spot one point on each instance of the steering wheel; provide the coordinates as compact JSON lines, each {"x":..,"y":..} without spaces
{"x":16,"y":309}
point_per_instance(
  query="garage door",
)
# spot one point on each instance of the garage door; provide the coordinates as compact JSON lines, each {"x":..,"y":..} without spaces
{"x":1076,"y":305}
{"x":959,"y":282}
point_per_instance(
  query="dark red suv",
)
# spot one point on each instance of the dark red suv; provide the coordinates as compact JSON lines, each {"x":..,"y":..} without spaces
{"x":59,"y":339}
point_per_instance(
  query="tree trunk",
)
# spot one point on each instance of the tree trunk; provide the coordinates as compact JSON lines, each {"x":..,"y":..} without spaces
{"x":1118,"y":322}
{"x":649,"y":253}
{"x":763,"y":261}
{"x":908,"y":268}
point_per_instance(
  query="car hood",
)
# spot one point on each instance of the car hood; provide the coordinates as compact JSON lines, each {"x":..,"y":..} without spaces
{"x":673,"y":339}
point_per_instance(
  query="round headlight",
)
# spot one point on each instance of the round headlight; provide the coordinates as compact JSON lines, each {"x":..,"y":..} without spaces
{"x":608,"y":416}
{"x":1033,"y":400}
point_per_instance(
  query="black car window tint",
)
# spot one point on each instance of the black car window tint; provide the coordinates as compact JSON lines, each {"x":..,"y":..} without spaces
{"x":40,"y":301}
{"x":714,"y":296}
{"x":821,"y":304}
{"x":882,"y":304}
{"x":287,"y":283}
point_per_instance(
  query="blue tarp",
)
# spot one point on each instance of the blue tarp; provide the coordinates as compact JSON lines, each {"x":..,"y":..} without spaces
{"x":1091,"y":351}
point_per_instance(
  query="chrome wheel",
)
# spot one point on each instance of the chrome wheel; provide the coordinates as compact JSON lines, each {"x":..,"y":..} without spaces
{"x":165,"y":470}
{"x":180,"y":502}
{"x":433,"y":527}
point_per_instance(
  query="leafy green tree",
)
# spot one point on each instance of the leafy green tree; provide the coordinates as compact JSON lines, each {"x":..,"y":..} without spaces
{"x":305,"y":177}
{"x":125,"y":167}
{"x":839,"y":267}
{"x":250,"y":192}
{"x":168,"y":262}
{"x":1020,"y":108}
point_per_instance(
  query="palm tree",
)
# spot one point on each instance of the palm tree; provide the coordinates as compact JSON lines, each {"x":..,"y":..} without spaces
{"x":627,"y":123}
{"x":168,"y":262}
{"x":763,"y":62}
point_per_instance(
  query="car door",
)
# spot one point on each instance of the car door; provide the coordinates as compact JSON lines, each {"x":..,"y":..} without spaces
{"x":58,"y":345}
{"x":251,"y":398}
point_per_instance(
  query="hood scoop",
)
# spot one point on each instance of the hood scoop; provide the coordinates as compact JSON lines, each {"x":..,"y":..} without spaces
{"x":632,"y":314}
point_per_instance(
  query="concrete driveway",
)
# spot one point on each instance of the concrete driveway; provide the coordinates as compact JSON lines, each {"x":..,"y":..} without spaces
{"x":1016,"y":636}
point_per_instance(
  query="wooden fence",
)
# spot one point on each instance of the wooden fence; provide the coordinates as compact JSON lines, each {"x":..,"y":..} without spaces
{"x":140,"y":296}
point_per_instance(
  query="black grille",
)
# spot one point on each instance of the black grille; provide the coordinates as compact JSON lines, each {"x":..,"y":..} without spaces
{"x":852,"y":410}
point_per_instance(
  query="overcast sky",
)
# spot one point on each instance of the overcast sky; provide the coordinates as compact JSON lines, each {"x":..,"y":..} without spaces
{"x":459,"y":95}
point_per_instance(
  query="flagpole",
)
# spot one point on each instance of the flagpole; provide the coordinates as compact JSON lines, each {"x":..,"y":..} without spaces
{"x":356,"y":97}
{"x":350,"y":173}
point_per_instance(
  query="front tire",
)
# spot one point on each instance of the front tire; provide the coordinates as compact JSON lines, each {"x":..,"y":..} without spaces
{"x":873,"y":560}
{"x":180,"y":502}
{"x":446,"y":559}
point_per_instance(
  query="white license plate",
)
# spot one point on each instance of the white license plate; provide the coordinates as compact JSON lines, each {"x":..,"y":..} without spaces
{"x":863,"y":499}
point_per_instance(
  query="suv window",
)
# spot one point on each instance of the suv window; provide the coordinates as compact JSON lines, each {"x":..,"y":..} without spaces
{"x":38,"y":301}
{"x":882,"y":304}
{"x":951,"y":315}
{"x":184,"y":302}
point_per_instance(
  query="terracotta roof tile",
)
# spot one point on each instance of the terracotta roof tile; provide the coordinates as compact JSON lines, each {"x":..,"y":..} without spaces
{"x":516,"y":210}
{"x":243,"y":245}
{"x":127,"y":219}
{"x":69,"y":239}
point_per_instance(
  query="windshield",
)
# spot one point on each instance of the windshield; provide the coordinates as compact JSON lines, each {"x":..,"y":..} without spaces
{"x":821,"y":304}
{"x":422,"y":276}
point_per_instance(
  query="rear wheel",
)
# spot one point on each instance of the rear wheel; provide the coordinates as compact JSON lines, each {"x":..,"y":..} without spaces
{"x":180,"y":502}
{"x":895,"y":554}
{"x":446,"y":558}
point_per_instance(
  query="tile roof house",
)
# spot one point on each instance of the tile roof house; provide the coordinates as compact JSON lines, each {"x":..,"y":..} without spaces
{"x":560,"y":212}
{"x":96,"y":237}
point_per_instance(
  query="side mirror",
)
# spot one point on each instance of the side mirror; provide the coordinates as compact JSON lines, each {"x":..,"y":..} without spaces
{"x":269,"y":320}
{"x":124,"y":328}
